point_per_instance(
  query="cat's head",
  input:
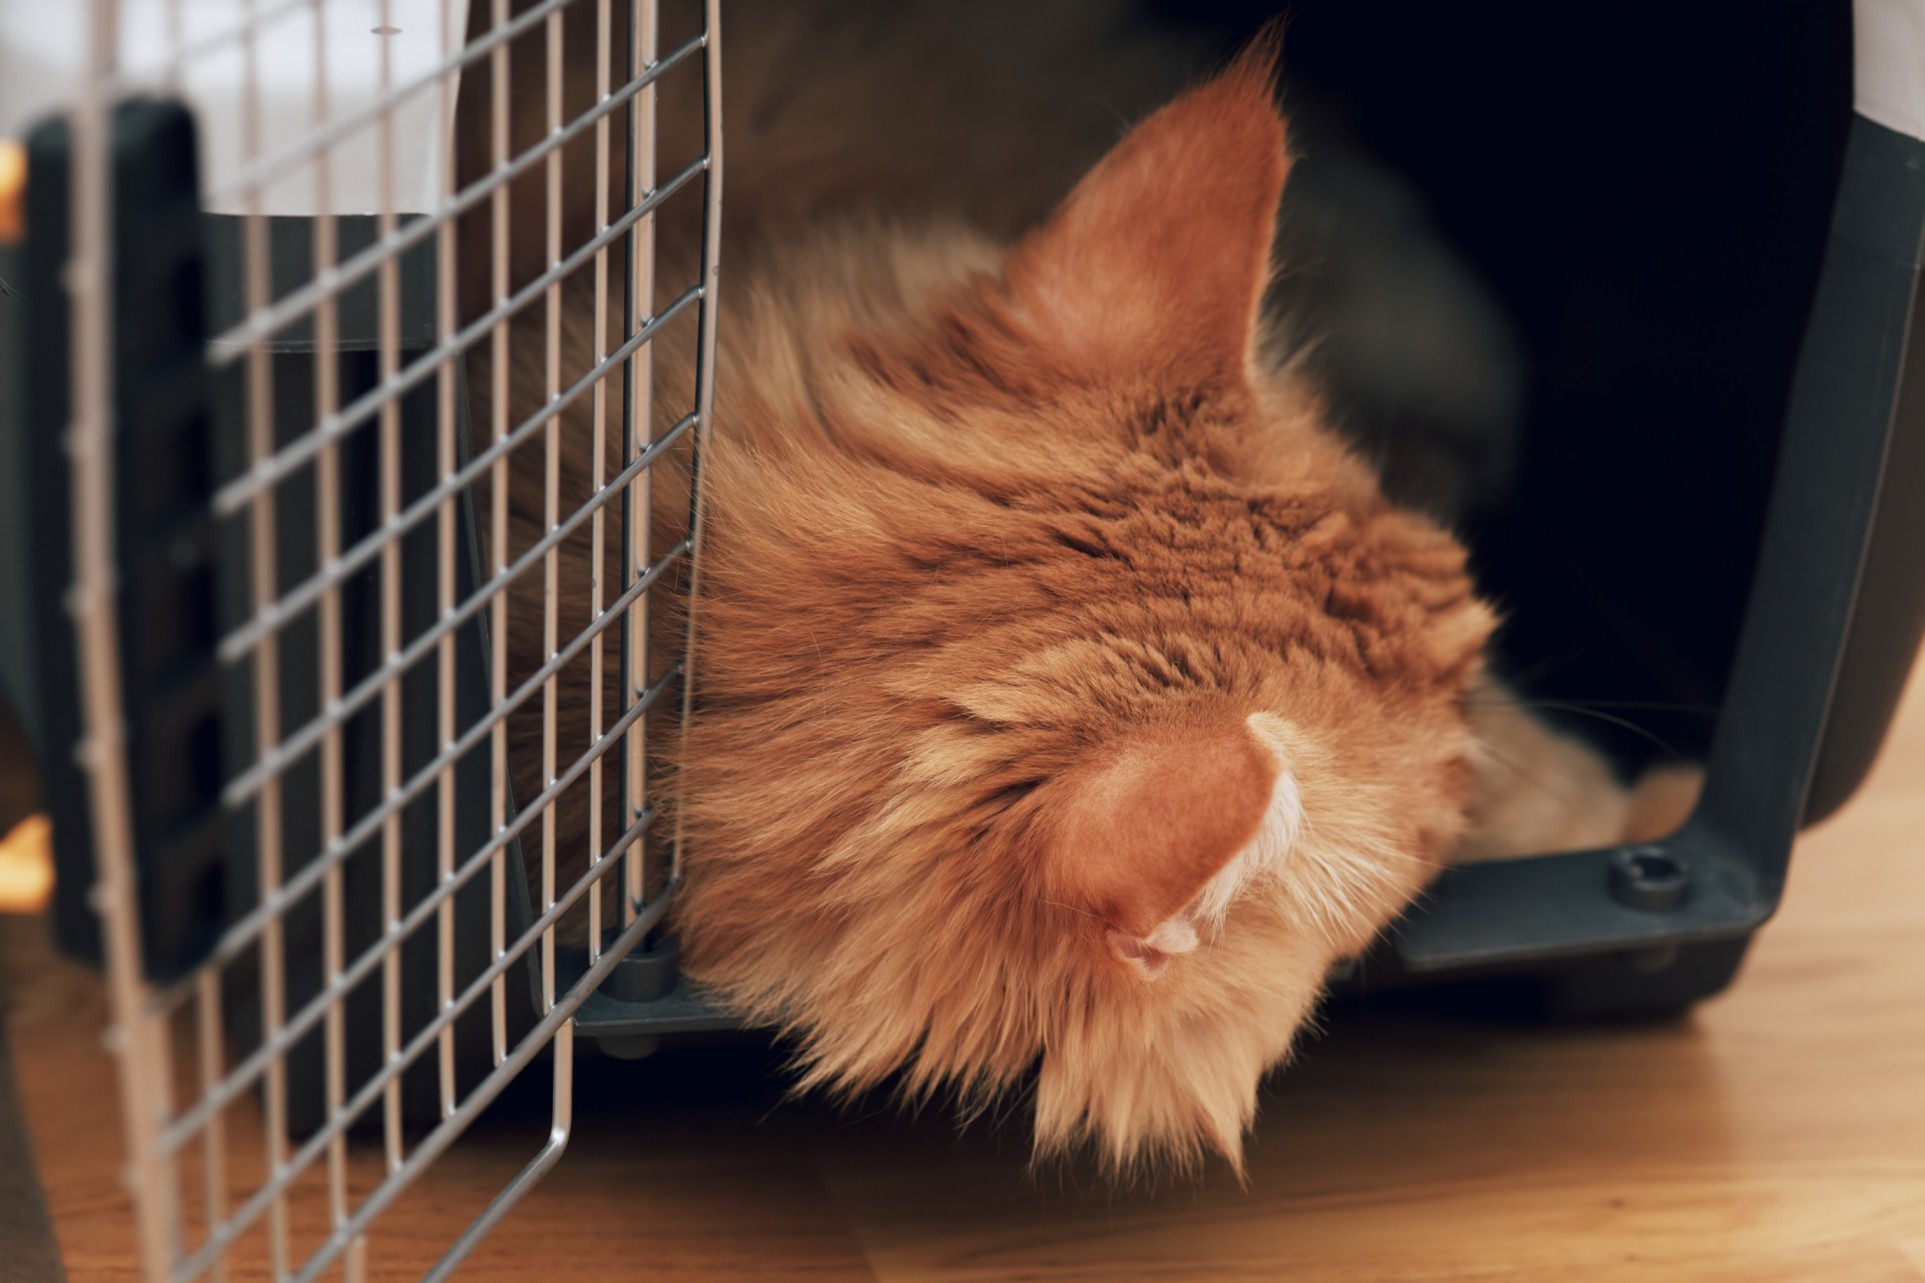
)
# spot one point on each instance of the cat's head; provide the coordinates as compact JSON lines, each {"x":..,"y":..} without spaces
{"x":1072,"y":698}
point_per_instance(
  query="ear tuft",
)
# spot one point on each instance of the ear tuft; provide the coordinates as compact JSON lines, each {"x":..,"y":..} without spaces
{"x":1151,"y":954}
{"x":1161,"y":254}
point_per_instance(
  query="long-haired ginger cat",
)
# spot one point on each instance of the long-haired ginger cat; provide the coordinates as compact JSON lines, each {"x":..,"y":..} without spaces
{"x":1068,"y":696}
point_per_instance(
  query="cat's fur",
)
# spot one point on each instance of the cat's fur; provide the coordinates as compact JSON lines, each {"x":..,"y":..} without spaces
{"x":1069,"y":696}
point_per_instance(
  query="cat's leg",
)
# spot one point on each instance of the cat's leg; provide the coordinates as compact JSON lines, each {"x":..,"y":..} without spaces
{"x":1662,"y":801}
{"x":1540,"y":790}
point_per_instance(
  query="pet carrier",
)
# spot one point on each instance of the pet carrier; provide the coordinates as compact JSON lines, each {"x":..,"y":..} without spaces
{"x":247,"y":617}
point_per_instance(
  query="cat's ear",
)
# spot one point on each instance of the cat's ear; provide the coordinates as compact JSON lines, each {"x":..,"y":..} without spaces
{"x":1154,"y":839}
{"x":1160,"y":255}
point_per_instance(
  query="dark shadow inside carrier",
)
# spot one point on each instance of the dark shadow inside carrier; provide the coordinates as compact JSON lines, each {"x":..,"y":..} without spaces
{"x":1643,"y":192}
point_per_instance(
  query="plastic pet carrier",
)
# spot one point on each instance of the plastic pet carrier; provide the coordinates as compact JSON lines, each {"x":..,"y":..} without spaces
{"x":245,"y":614}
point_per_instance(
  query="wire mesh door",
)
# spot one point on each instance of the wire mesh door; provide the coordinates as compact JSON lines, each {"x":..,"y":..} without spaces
{"x":290,"y":578}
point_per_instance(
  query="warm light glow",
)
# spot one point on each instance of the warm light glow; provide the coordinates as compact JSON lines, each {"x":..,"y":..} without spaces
{"x":26,"y":866}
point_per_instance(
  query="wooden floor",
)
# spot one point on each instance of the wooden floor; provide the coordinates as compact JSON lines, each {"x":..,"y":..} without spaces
{"x":1777,"y":1134}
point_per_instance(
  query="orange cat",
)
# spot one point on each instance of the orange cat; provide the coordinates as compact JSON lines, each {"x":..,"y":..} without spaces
{"x":1073,"y":694}
{"x":1069,"y":697}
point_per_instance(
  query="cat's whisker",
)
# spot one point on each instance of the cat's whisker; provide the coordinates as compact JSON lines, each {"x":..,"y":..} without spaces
{"x":1545,"y":667}
{"x":1623,"y":723}
{"x":1634,"y":705}
{"x":1563,"y":796}
{"x":1058,"y":904}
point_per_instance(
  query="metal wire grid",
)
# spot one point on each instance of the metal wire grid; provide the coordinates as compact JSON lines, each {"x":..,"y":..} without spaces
{"x":168,"y":1135}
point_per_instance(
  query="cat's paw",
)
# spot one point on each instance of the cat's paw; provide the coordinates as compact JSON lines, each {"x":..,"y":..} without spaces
{"x":1662,"y":801}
